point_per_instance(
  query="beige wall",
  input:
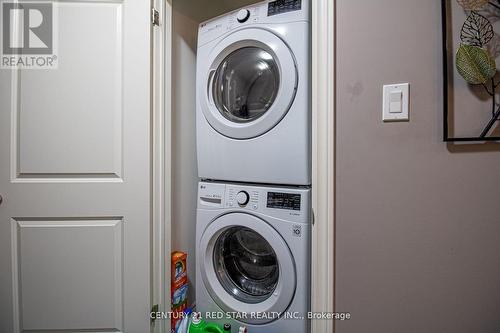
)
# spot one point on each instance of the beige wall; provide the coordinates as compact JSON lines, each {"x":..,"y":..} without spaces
{"x":418,"y":222}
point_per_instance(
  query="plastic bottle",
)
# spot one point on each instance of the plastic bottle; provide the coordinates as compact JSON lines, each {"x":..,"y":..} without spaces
{"x":198,"y":325}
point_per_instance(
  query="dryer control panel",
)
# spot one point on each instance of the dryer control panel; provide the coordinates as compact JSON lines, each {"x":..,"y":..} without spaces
{"x":281,"y":202}
{"x":273,"y":13}
{"x":283,"y":6}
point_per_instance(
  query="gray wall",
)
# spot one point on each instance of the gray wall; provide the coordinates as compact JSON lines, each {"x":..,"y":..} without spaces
{"x":418,"y":221}
{"x":184,"y":166}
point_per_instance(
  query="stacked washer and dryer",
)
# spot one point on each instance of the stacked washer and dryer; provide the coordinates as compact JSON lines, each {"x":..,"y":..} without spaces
{"x":254,"y":159}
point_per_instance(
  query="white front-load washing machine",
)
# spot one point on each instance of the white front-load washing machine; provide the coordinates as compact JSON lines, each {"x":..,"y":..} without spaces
{"x":253,"y":95}
{"x":253,"y":256}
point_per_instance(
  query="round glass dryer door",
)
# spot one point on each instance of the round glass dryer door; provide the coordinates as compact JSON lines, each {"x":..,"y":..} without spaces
{"x":251,"y":81}
{"x":246,"y":266}
{"x":246,"y":84}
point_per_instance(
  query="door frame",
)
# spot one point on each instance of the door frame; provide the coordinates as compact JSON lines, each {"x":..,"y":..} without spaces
{"x":323,"y":160}
{"x":162,"y":157}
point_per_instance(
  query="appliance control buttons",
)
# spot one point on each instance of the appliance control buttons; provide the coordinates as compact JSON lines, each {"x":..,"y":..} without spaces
{"x":243,"y":15}
{"x":242,"y":198}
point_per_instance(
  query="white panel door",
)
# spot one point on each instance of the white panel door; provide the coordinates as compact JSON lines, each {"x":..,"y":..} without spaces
{"x":75,"y":161}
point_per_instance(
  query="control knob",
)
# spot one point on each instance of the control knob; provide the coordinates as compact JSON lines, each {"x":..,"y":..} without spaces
{"x":243,"y":15}
{"x":242,"y":198}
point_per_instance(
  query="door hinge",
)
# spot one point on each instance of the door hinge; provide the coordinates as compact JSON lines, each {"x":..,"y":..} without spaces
{"x":155,"y":16}
{"x":152,"y":315}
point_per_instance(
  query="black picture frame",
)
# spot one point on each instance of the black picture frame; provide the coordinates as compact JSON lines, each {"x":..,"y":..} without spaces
{"x":446,"y":112}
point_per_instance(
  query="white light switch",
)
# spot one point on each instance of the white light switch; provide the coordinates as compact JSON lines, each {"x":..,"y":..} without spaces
{"x":396,"y":98}
{"x":395,"y":106}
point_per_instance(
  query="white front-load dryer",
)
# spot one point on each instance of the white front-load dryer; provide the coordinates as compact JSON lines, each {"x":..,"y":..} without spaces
{"x":253,"y":257}
{"x":253,"y":95}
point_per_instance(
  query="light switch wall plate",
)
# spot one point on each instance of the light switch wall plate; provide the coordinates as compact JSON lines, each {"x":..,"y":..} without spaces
{"x":396,"y":104}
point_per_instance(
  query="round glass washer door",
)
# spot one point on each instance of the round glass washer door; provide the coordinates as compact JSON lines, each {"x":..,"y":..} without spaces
{"x":251,"y":81}
{"x":246,"y":266}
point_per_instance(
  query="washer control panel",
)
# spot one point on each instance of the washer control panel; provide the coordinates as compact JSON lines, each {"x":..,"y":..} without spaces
{"x":282,"y":202}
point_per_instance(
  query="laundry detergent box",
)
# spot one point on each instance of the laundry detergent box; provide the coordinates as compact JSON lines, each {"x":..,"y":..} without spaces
{"x":178,"y":269}
{"x":179,"y":304}
{"x":179,"y":285}
{"x":179,"y":295}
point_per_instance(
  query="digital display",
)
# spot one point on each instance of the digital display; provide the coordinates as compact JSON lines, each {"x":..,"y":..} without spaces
{"x":283,"y":6}
{"x":283,"y":200}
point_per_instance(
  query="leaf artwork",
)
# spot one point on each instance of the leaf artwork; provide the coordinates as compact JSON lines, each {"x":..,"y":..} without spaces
{"x":472,"y":4}
{"x":479,"y":47}
{"x":475,"y":64}
{"x":477,"y":30}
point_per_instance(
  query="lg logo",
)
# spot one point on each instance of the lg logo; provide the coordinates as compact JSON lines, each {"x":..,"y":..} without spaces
{"x":27,"y":28}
